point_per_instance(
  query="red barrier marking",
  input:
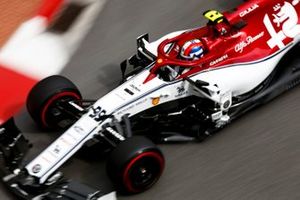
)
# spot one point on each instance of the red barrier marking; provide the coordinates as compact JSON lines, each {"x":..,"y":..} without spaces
{"x":14,"y":88}
{"x":49,"y":8}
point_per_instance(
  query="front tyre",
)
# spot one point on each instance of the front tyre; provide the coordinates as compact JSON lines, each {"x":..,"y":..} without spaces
{"x":135,"y":165}
{"x":44,"y":98}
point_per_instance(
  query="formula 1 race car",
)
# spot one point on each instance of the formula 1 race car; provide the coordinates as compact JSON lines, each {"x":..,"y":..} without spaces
{"x":183,"y":87}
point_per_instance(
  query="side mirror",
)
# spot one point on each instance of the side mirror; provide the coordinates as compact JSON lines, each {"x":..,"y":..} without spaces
{"x":123,"y":67}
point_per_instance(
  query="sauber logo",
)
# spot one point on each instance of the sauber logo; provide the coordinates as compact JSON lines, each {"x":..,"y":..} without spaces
{"x":285,"y":19}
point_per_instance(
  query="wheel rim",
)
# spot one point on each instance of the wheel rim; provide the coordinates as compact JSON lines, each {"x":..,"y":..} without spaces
{"x":143,"y":171}
{"x":52,"y":100}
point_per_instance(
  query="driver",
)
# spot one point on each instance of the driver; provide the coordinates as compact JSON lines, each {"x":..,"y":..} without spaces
{"x":192,"y":50}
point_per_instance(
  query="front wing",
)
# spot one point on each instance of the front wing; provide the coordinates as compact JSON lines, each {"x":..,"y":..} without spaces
{"x":13,"y":147}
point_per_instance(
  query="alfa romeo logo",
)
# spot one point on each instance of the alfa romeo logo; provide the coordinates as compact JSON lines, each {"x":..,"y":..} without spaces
{"x":36,"y":168}
{"x":180,"y":89}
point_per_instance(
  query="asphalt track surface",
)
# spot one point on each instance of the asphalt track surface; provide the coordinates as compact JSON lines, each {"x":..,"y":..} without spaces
{"x":255,"y":158}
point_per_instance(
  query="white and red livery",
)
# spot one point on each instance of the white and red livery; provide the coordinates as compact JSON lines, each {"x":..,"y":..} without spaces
{"x":250,"y":56}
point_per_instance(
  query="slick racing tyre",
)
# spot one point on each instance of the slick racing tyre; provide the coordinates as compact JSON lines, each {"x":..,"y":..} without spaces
{"x":135,"y":165}
{"x":43,"y":99}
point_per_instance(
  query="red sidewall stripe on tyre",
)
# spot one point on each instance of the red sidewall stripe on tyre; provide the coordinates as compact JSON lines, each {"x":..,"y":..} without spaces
{"x":51,"y":100}
{"x":126,"y":178}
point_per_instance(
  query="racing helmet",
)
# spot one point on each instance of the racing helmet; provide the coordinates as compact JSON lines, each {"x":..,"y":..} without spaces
{"x":193,"y":49}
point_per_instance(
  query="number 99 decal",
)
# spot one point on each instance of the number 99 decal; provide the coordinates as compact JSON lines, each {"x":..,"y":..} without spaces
{"x":97,"y":114}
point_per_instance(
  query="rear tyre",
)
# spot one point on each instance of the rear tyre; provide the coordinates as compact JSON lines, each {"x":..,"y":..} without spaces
{"x":44,"y":97}
{"x":135,"y":165}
